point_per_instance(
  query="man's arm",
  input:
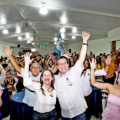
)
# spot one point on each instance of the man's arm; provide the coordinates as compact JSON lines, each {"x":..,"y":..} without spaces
{"x":83,"y":51}
{"x":8,"y":52}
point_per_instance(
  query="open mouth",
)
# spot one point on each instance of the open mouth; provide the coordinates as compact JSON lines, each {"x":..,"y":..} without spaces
{"x":47,"y":80}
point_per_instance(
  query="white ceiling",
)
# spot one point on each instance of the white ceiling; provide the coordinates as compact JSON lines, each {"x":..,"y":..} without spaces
{"x":95,"y":16}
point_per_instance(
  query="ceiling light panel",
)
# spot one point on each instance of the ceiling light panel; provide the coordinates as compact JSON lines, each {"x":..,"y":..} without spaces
{"x":5,"y":31}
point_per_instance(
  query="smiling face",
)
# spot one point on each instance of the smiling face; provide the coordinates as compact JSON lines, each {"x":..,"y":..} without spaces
{"x":86,"y":64}
{"x":103,"y":58}
{"x":62,"y":66}
{"x":50,"y":63}
{"x":8,"y":75}
{"x":35,"y":69}
{"x":46,"y":77}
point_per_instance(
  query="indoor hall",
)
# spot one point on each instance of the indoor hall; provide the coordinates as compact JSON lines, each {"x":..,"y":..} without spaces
{"x":36,"y":26}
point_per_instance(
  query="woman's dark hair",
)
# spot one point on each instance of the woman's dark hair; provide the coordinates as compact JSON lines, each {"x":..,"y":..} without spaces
{"x":49,"y":63}
{"x":98,"y":59}
{"x":52,"y":82}
{"x":118,"y":55}
{"x":86,"y":59}
{"x":34,"y":61}
{"x":70,"y":65}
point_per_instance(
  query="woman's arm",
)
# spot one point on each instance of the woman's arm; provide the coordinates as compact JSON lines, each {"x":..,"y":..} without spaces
{"x":105,"y":86}
{"x":0,"y":97}
{"x":26,"y":79}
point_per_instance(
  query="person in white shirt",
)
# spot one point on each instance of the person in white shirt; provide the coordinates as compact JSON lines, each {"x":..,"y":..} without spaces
{"x":85,"y":79}
{"x":34,"y":73}
{"x":1,"y":62}
{"x":3,"y":73}
{"x":68,"y":86}
{"x":44,"y":108}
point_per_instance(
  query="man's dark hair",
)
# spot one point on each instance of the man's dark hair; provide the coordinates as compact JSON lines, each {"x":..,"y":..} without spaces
{"x":104,"y":56}
{"x":4,"y":65}
{"x":39,"y":55}
{"x":5,"y":58}
{"x":62,"y":57}
{"x":34,"y":61}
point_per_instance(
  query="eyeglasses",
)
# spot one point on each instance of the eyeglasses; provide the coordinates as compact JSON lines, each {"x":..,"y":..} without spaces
{"x":62,"y":63}
{"x":7,"y":74}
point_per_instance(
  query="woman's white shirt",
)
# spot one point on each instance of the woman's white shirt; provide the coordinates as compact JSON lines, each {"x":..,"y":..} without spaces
{"x":44,"y":102}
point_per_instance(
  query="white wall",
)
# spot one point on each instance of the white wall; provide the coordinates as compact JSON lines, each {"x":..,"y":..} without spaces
{"x":42,"y":51}
{"x":114,"y":34}
{"x":46,"y":50}
{"x":74,"y":47}
{"x":1,"y":48}
{"x":99,"y":46}
{"x":117,"y":45}
{"x":96,"y":46}
{"x":16,"y":50}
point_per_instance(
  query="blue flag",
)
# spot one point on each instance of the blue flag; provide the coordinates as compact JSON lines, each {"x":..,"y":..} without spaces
{"x":59,"y":46}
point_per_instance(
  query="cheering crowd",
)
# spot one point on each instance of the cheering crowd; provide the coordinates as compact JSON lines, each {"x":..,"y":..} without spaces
{"x":68,"y":78}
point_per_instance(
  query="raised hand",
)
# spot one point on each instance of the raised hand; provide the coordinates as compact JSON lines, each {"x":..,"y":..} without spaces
{"x":108,"y":60}
{"x":93,"y":63}
{"x":7,"y":51}
{"x":27,"y":58}
{"x":67,"y":55}
{"x":85,"y":36}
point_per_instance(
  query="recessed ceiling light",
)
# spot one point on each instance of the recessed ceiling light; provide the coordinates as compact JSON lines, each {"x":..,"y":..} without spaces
{"x":62,"y":30}
{"x":73,"y":37}
{"x":43,"y":10}
{"x":31,"y":38}
{"x":64,"y":20}
{"x":55,"y":39}
{"x":33,"y":49}
{"x":3,"y":20}
{"x":18,"y":30}
{"x":5,"y":31}
{"x":27,"y":35}
{"x":33,"y":43}
{"x":28,"y":41}
{"x":19,"y":38}
{"x":74,"y":30}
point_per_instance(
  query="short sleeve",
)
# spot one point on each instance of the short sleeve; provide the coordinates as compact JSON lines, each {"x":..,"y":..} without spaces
{"x":21,"y":74}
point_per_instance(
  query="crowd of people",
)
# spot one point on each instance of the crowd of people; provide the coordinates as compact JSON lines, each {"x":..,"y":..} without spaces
{"x":68,"y":78}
